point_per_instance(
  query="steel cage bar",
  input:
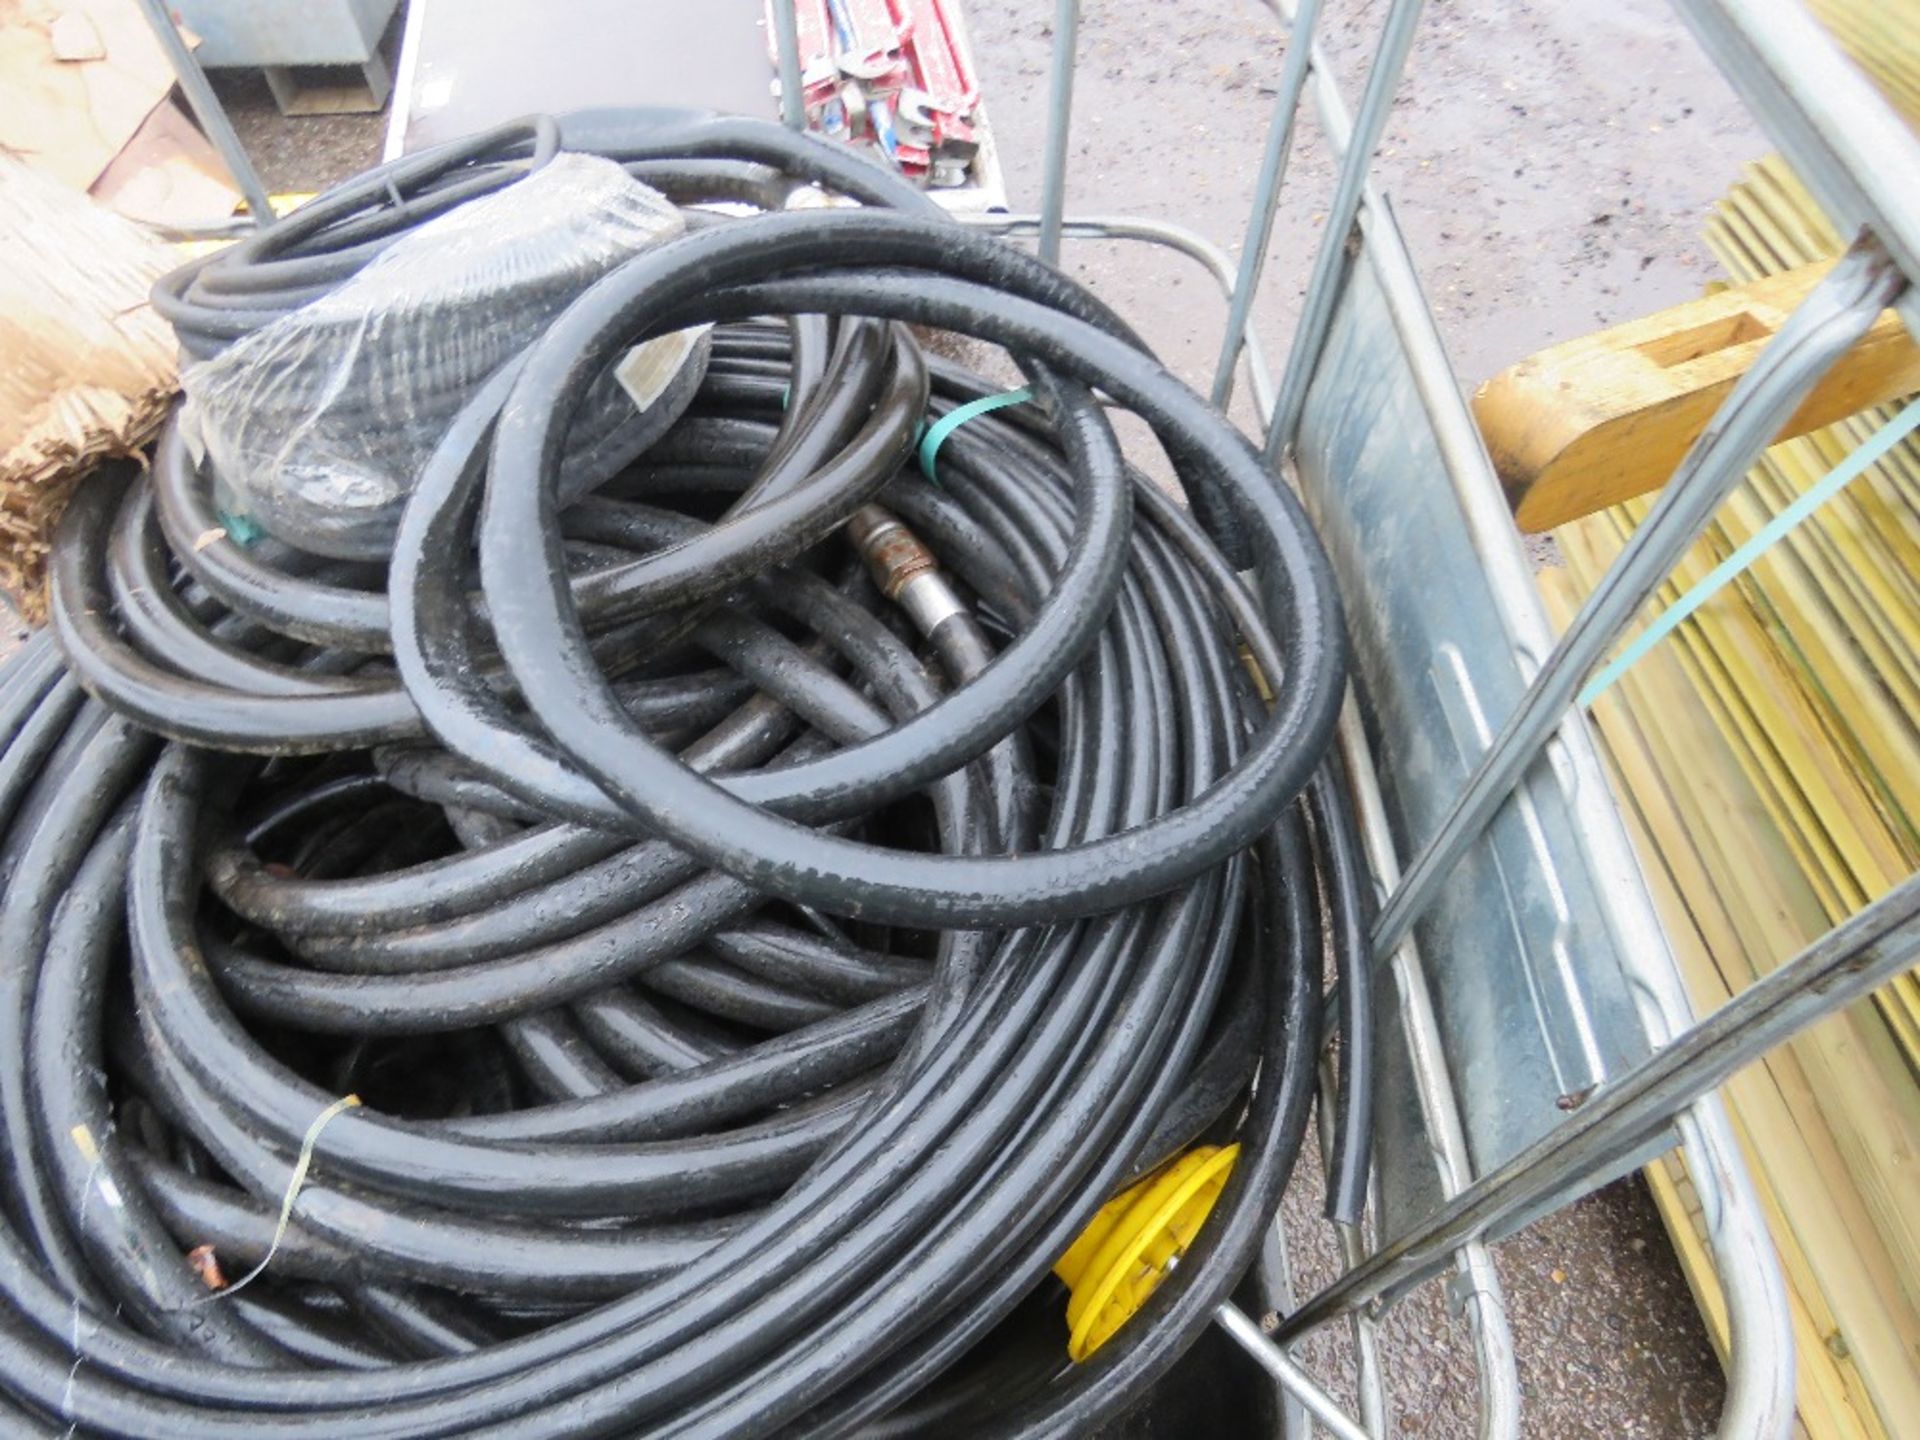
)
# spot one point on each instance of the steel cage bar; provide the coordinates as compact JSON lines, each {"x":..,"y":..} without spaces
{"x":1854,"y":958}
{"x":1819,"y":332}
{"x":1843,"y":139}
{"x":1316,"y":315}
{"x":1266,"y":196}
{"x":1759,"y":1397}
{"x":1053,"y":185}
{"x":208,"y":110}
{"x":1485,"y":1309}
{"x":786,"y":40}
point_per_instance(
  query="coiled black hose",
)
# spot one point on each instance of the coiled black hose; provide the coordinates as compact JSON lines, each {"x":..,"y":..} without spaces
{"x":314,"y":404}
{"x":766,"y":906}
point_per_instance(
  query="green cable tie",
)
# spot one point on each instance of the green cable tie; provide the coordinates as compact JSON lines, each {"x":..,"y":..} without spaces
{"x":938,"y":432}
{"x":1889,"y":435}
{"x":241,"y":530}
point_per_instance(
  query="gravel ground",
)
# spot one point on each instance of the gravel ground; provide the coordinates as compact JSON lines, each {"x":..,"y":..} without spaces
{"x":300,"y":153}
{"x":1551,"y":165}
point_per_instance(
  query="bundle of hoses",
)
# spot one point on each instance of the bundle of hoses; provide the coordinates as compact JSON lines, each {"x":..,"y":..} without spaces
{"x":763,"y":909}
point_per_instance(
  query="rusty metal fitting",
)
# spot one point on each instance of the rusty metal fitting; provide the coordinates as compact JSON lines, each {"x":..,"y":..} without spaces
{"x":894,"y":553}
{"x":904,"y":569}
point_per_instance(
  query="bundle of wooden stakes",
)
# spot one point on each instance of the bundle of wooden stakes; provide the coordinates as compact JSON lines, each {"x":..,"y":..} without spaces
{"x":1767,"y":755}
{"x":90,"y":366}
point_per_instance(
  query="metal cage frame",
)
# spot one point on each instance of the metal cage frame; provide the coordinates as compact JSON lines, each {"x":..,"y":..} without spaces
{"x":1538,"y":755}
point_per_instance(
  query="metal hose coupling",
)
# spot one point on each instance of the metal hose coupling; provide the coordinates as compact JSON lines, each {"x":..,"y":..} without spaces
{"x":904,"y":568}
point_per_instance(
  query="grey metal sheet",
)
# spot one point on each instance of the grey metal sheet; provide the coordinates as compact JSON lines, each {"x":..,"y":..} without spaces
{"x":470,"y":65}
{"x":1406,"y":1158}
{"x":1533,"y":1003}
{"x":272,"y":32}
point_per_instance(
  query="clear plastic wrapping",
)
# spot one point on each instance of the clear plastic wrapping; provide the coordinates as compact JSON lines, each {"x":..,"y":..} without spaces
{"x":316,"y":425}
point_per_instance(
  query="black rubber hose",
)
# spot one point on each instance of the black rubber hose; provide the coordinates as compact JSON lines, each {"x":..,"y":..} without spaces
{"x":230,"y":293}
{"x":699,"y":815}
{"x":317,"y":429}
{"x":1348,"y":888}
{"x":764,"y":908}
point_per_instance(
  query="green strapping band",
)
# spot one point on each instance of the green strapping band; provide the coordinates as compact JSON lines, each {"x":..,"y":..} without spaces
{"x":1764,"y":539}
{"x":938,"y":432}
{"x":240,"y":529}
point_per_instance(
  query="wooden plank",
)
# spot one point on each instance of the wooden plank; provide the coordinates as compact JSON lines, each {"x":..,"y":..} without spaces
{"x":1703,"y":936}
{"x":1768,"y":760}
{"x":1771,"y":726}
{"x":1678,"y":788}
{"x":1827,"y":1080}
{"x":1883,"y":37}
{"x":1603,"y":418}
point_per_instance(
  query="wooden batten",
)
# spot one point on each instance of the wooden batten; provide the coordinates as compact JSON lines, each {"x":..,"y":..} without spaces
{"x":1767,"y":757}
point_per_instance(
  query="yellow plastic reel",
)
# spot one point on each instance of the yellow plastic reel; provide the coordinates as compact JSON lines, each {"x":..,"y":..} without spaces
{"x":1127,"y":1249}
